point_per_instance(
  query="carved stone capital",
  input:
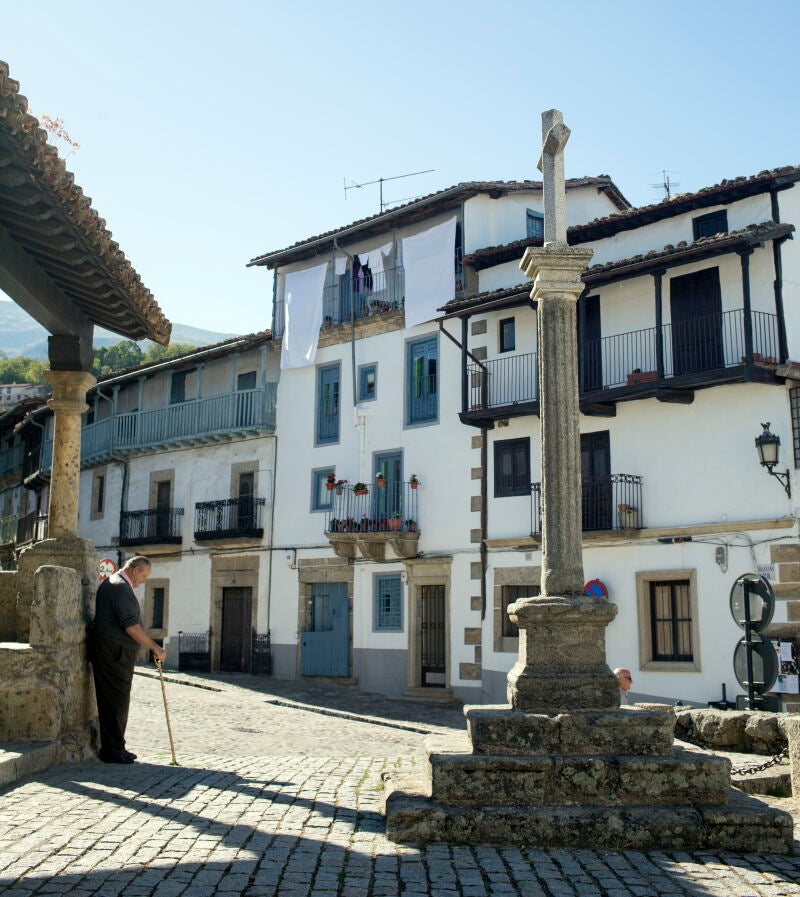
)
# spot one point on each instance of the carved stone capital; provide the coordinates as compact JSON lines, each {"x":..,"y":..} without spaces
{"x":556,"y":269}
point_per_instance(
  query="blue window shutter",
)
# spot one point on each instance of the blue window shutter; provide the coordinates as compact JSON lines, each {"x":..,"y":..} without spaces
{"x":328,"y":398}
{"x":423,"y":381}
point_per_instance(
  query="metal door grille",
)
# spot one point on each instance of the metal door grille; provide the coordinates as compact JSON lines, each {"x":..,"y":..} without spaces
{"x":433,"y":636}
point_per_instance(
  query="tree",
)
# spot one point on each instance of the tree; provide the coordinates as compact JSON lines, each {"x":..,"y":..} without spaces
{"x":125,"y":354}
{"x":22,"y":370}
{"x":157,"y":353}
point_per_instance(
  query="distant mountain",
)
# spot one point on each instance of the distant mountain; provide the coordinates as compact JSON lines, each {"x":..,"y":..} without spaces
{"x":20,"y":334}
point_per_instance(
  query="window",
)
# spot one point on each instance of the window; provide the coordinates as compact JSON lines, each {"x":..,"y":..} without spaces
{"x":668,"y":629}
{"x":388,"y":603}
{"x":367,"y":382}
{"x":794,"y":404}
{"x":509,"y":596}
{"x":507,"y":335}
{"x":423,"y":381}
{"x":512,"y":467}
{"x":328,"y":397}
{"x":246,"y":381}
{"x":320,"y":494}
{"x":535,"y":223}
{"x":157,"y":615}
{"x":101,"y":494}
{"x":98,"y":505}
{"x":177,"y":390}
{"x":711,"y":224}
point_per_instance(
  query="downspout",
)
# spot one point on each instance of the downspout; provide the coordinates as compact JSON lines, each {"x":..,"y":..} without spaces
{"x":272,"y":541}
{"x":783,"y":346}
{"x":484,"y":518}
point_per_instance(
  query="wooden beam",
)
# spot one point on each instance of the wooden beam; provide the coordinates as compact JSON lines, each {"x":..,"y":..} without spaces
{"x":676,"y":396}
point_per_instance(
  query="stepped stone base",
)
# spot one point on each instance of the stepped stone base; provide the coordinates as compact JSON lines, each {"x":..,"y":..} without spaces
{"x":744,"y":824}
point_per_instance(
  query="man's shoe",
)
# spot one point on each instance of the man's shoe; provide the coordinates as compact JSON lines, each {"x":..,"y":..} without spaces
{"x":129,"y":753}
{"x":116,"y":757}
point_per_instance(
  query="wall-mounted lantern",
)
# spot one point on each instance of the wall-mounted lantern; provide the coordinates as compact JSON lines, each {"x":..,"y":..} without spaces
{"x":769,"y":449}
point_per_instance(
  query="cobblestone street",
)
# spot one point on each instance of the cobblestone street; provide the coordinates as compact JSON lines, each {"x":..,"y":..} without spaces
{"x":270,"y":798}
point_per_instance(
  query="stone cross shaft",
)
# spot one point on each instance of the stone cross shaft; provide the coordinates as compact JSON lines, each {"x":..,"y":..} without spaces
{"x":555,"y":135}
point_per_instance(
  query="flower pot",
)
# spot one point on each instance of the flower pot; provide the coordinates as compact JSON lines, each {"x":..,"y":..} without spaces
{"x":330,"y":486}
{"x":394,"y":524}
{"x":381,"y":482}
{"x":360,"y":491}
{"x":412,"y":527}
{"x":413,"y":485}
{"x":338,"y":490}
{"x":629,"y":519}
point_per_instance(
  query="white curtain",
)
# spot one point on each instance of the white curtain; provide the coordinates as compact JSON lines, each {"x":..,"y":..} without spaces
{"x":303,"y":304}
{"x":429,"y":263}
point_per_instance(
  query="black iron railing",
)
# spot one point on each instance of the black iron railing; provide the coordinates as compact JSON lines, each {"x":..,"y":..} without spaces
{"x":261,"y":654}
{"x":194,"y":651}
{"x":154,"y":525}
{"x":228,"y":518}
{"x":607,"y":502}
{"x":706,"y":343}
{"x":378,"y":509}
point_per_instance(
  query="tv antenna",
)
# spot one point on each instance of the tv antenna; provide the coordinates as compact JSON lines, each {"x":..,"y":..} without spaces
{"x":380,"y":181}
{"x":666,"y":184}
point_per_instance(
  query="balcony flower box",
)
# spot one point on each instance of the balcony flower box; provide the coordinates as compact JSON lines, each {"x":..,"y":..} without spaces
{"x":637,"y":376}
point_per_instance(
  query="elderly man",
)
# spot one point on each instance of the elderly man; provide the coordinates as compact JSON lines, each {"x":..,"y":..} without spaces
{"x":625,"y":680}
{"x":114,"y":640}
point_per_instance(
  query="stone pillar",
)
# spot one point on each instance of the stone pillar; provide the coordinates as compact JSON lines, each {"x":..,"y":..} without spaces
{"x":562,"y":661}
{"x":68,"y":403}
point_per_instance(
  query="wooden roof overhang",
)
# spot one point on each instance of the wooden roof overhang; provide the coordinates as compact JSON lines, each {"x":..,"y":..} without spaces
{"x":600,"y":275}
{"x":57,"y":259}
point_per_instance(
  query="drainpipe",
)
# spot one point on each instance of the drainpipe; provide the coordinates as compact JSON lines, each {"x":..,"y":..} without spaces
{"x":272,"y":535}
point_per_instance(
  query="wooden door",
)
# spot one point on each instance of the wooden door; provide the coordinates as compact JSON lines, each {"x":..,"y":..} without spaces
{"x":696,"y":310}
{"x":236,"y":630}
{"x":596,"y":482}
{"x":388,"y":501}
{"x":433,"y":634}
{"x":591,"y":346}
{"x":325,"y":646}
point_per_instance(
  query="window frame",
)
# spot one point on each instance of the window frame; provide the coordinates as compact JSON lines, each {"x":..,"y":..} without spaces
{"x":530,"y":216}
{"x":647,"y":661}
{"x":397,"y":580}
{"x":319,"y":475}
{"x":411,"y":344}
{"x":502,"y":345}
{"x":702,"y":220}
{"x":527,"y":578}
{"x":321,"y":370}
{"x":97,"y":508}
{"x":502,"y":445}
{"x":363,"y":371}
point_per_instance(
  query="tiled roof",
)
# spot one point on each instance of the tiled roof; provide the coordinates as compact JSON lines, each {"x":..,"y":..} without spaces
{"x":49,"y":216}
{"x":424,"y":207}
{"x":634,"y":266}
{"x":628,"y":219}
{"x":199,"y":353}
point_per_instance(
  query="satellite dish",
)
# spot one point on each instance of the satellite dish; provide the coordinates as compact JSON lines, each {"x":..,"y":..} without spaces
{"x":765,"y":664}
{"x":762,"y":601}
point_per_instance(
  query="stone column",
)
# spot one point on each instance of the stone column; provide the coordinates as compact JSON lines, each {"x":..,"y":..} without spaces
{"x":68,"y":403}
{"x":562,"y":661}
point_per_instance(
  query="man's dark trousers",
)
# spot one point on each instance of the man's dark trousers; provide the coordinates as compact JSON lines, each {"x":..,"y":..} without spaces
{"x":112,"y":665}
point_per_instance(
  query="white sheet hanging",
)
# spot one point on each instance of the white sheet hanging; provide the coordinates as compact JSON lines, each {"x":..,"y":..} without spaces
{"x":428,"y":260}
{"x":340,"y":265}
{"x":303,"y":310}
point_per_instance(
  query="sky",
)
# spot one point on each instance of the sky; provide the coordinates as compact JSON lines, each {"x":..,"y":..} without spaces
{"x":211,"y":133}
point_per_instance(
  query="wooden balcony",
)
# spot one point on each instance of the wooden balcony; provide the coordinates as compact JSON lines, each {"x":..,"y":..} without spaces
{"x":198,"y":422}
{"x":667,"y":363}
{"x":380,"y":523}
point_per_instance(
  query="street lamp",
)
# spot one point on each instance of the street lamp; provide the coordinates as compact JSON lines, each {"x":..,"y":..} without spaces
{"x":769,"y":447}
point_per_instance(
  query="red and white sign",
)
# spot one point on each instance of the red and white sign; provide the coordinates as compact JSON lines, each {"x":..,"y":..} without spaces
{"x":105,"y":568}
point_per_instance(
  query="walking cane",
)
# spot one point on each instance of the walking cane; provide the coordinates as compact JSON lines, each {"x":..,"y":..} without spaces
{"x":166,"y":712}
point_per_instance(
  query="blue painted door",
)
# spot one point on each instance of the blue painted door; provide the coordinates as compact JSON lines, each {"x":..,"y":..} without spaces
{"x":328,"y":404}
{"x":388,"y":501}
{"x":325,"y":647}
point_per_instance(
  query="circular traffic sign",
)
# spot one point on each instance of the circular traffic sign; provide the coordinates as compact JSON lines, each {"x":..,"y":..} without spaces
{"x":595,"y":589}
{"x":105,"y":568}
{"x":765,"y":663}
{"x":762,"y":601}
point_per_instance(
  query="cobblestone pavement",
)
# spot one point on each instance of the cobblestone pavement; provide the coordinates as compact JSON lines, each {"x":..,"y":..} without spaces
{"x":273,"y":799}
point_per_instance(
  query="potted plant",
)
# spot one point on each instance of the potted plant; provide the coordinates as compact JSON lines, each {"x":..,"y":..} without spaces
{"x":339,"y":485}
{"x":360,"y":488}
{"x":333,"y":526}
{"x":366,"y":524}
{"x":330,"y":482}
{"x":411,"y":526}
{"x":349,"y":524}
{"x":395,"y":521}
{"x":628,"y":516}
{"x":380,"y":479}
{"x":413,"y":482}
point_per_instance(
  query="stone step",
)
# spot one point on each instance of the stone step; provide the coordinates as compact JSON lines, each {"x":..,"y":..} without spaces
{"x":745,"y":824}
{"x":18,"y":760}
{"x":497,"y":729}
{"x":458,"y":776}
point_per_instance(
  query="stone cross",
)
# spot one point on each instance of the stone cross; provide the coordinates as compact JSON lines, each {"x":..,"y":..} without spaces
{"x":555,"y":135}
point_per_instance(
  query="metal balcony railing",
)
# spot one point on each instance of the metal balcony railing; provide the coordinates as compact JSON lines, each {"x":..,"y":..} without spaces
{"x":707,"y":343}
{"x":381,"y":509}
{"x":382,"y":291}
{"x":612,"y":502}
{"x":153,"y":526}
{"x":247,"y":409}
{"x":228,"y":518}
{"x":8,"y":529}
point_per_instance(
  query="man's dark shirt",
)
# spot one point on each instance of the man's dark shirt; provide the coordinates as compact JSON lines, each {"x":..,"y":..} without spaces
{"x":117,"y":608}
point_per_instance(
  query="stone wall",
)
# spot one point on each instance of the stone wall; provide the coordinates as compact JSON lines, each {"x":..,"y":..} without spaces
{"x":8,"y":606}
{"x":745,"y":731}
